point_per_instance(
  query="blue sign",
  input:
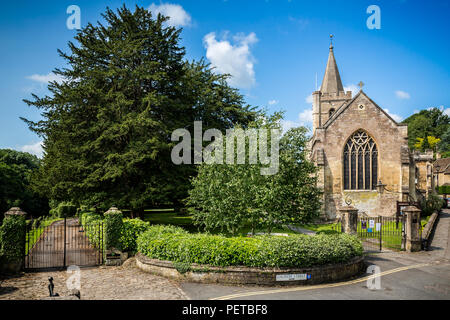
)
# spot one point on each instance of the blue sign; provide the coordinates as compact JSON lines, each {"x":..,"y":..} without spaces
{"x":369,"y":230}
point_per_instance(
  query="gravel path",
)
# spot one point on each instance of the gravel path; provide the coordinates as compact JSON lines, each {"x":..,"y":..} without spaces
{"x":100,"y":283}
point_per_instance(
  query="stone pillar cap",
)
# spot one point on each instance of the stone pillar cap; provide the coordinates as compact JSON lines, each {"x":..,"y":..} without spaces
{"x":411,"y":209}
{"x":112,"y":209}
{"x":15,"y":211}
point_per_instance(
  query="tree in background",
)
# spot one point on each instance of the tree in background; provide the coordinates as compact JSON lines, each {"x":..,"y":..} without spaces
{"x":429,"y":143}
{"x":107,"y":126}
{"x":16,"y":171}
{"x":229,"y":197}
{"x":444,"y":144}
{"x":426,"y":123}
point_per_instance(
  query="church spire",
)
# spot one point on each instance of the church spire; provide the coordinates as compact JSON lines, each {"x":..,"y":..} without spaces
{"x":332,"y":80}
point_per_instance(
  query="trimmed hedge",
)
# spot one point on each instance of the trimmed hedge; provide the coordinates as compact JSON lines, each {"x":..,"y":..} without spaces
{"x":64,"y":209}
{"x":12,"y":235}
{"x":131,"y":229}
{"x":91,"y":222}
{"x":444,"y":190}
{"x":295,"y":251}
{"x":113,"y":229}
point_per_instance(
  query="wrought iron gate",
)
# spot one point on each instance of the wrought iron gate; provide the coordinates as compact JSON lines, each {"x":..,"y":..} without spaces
{"x":380,"y":232}
{"x":62,"y":243}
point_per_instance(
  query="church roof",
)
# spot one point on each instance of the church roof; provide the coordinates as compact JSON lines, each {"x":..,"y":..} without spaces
{"x":332,"y":80}
{"x":347,"y":104}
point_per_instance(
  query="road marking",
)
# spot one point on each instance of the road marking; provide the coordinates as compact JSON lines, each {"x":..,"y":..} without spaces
{"x":322,"y":286}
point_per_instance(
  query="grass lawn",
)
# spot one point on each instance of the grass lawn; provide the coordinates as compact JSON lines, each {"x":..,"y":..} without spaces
{"x":169,"y":216}
{"x":391,"y":236}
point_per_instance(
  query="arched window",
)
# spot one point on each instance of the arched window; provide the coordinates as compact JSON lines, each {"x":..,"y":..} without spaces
{"x":331,"y":112}
{"x":360,"y":162}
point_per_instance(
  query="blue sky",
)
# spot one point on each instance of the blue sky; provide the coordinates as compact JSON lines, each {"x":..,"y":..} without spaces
{"x":273,"y":48}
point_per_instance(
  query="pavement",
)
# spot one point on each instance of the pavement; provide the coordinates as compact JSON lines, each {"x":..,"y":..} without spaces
{"x":423,"y":275}
{"x":126,"y":282}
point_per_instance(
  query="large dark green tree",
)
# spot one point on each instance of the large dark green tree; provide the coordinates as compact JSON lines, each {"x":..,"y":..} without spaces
{"x":107,"y":126}
{"x":16,"y":171}
{"x":430,"y":122}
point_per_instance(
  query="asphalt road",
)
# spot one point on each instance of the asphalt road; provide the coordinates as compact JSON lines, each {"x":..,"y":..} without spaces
{"x":422,"y":275}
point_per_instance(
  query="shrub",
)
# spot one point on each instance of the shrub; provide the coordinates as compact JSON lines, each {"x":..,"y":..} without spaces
{"x":267,"y":251}
{"x":63,"y":209}
{"x":113,"y":229}
{"x":444,"y":190}
{"x":431,"y":204}
{"x":91,"y":225}
{"x":131,"y":229}
{"x":12,"y":235}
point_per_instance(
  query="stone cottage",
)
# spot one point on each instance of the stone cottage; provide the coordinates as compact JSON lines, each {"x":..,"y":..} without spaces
{"x":362,"y":153}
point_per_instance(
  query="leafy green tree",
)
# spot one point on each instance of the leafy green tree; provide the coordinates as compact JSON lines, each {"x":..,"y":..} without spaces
{"x":231,"y":196}
{"x":431,"y":122}
{"x":444,"y":144}
{"x":16,"y":171}
{"x":107,"y":127}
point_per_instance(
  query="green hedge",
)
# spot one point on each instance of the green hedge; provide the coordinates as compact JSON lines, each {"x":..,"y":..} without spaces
{"x":174,"y":244}
{"x":113,"y":229}
{"x":131,"y":229}
{"x":444,"y":190}
{"x":91,"y":222}
{"x":128,"y":232}
{"x":64,"y":209}
{"x":12,"y":238}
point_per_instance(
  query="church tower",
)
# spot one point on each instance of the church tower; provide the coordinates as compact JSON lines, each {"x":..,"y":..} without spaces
{"x":331,"y":95}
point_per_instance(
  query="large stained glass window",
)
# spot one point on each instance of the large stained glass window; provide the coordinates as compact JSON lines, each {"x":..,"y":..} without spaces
{"x":360,"y":162}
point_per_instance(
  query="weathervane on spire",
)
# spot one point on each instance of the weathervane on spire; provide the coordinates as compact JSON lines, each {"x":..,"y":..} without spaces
{"x":331,"y":40}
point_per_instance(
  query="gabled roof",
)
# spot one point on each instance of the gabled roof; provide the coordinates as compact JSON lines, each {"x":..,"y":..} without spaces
{"x":332,"y":80}
{"x":346,"y":105}
{"x":442,"y":165}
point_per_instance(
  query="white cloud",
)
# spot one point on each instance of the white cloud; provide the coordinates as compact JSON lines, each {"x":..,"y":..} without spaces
{"x":234,"y":59}
{"x":305,"y":118}
{"x":272,"y":102}
{"x":447,"y":111}
{"x":396,"y":117}
{"x":309,"y":99}
{"x":353,"y":88}
{"x":34,"y":148}
{"x":178,"y":16}
{"x":46,"y":78}
{"x":402,"y":94}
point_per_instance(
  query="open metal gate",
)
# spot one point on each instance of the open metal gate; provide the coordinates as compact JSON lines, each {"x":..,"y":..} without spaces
{"x":58,"y":244}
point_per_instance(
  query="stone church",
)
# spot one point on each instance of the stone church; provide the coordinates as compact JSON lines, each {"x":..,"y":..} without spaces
{"x":361,"y":152}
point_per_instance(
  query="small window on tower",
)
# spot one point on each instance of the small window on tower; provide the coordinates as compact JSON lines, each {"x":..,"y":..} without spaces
{"x":331,"y":112}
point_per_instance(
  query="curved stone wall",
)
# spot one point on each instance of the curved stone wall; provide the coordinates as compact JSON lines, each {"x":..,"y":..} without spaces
{"x":254,"y":276}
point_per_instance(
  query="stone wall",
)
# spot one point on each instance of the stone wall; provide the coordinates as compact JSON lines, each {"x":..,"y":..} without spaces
{"x":255,"y":276}
{"x":393,"y":169}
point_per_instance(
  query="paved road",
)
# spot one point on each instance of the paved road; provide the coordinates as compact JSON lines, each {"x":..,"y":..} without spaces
{"x":422,"y":275}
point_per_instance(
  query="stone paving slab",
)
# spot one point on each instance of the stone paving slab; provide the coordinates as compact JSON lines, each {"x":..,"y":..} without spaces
{"x":99,"y":283}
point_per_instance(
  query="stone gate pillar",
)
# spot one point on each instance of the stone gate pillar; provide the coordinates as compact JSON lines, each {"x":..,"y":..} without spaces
{"x":413,"y":237}
{"x":349,"y":219}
